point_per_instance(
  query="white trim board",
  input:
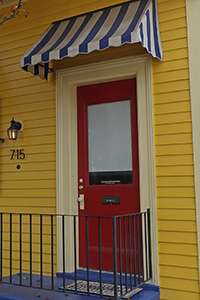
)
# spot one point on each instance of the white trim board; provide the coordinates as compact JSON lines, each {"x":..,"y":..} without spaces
{"x":66,"y":133}
{"x":193,"y":27}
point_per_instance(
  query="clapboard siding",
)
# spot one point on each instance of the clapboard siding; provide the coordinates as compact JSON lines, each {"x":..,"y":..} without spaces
{"x":179,"y":294}
{"x":31,"y":100}
{"x":177,"y":238}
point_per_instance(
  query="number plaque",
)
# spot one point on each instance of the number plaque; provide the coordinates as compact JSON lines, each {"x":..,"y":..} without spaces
{"x":18,"y":153}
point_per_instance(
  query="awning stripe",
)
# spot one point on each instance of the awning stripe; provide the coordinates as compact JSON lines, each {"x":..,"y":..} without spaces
{"x":83,"y":34}
{"x":43,"y":42}
{"x":156,"y":32}
{"x":45,"y":55}
{"x":104,"y":43}
{"x":142,"y":34}
{"x":64,"y":51}
{"x":148,"y":31}
{"x":130,"y":22}
{"x":84,"y":46}
{"x":126,"y":35}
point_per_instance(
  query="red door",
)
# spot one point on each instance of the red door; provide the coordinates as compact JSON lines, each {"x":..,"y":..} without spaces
{"x":108,"y":169}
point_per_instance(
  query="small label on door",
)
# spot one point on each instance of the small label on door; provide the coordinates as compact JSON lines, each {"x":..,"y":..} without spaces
{"x":110,"y":181}
{"x":111,"y":200}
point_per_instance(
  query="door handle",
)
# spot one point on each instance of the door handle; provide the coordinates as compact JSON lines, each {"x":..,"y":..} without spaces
{"x":81,"y":201}
{"x":81,"y":187}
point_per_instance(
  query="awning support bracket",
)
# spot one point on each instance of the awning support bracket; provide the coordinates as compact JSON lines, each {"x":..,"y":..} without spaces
{"x":50,"y":70}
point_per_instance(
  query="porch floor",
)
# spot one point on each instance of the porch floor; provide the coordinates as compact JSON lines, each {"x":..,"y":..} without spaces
{"x":16,"y":292}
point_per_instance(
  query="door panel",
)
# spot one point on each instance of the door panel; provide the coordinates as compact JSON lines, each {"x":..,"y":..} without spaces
{"x":108,"y":162}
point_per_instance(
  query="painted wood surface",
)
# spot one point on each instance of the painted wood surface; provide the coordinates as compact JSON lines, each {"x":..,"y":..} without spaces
{"x":28,"y":98}
{"x":174,"y":159}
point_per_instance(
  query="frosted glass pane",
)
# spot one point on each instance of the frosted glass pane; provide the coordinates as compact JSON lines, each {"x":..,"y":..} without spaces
{"x":109,"y":135}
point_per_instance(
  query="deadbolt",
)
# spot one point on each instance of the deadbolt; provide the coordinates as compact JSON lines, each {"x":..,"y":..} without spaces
{"x":81,"y":187}
{"x":81,"y":180}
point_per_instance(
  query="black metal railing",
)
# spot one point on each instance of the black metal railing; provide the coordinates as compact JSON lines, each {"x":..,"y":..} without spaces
{"x":109,"y":256}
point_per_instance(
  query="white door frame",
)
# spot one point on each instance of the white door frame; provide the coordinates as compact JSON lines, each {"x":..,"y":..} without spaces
{"x":67,"y":81}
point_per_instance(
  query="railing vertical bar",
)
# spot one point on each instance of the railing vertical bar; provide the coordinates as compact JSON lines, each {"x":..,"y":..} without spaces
{"x":120,"y":254}
{"x":52,"y":255}
{"x":134,"y":253}
{"x":115,"y":258}
{"x":138,"y":248}
{"x":75,"y":255}
{"x":1,"y":250}
{"x":63,"y":243}
{"x":20,"y":249}
{"x":130,"y":256}
{"x":31,"y":250}
{"x":149,"y":241}
{"x":145,"y":239}
{"x":41,"y":249}
{"x":10,"y":248}
{"x":100,"y":258}
{"x":142,"y":246}
{"x":87,"y":255}
{"x":125,"y":255}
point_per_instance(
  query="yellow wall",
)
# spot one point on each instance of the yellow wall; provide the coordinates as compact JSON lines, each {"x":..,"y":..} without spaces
{"x":178,"y":266}
{"x":28,"y":98}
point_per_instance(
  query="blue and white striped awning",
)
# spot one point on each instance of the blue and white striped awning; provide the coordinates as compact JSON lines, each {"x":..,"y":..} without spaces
{"x":130,"y":22}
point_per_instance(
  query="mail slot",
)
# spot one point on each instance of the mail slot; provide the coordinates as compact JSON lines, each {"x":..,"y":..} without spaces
{"x":111,"y":200}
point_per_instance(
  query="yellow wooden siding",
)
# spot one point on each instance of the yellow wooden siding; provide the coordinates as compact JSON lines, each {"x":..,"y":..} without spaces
{"x":32,"y":189}
{"x":177,"y":237}
{"x":177,"y":294}
{"x":28,"y":98}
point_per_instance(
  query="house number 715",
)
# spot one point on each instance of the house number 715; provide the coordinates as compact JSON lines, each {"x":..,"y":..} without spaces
{"x":19,"y":153}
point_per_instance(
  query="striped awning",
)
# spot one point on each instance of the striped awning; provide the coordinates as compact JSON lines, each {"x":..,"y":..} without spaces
{"x":130,"y":22}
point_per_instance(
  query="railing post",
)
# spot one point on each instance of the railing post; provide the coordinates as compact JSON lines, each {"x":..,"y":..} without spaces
{"x":20,"y":248}
{"x":146,"y":246}
{"x":130,"y":256}
{"x":125,"y":254}
{"x":115,"y":258}
{"x":134,"y":252}
{"x":31,"y":249}
{"x":10,"y":248}
{"x":63,"y":244}
{"x":138,"y":248}
{"x":87,"y":255}
{"x":142,"y":246}
{"x":100,"y":257}
{"x":52,"y":255}
{"x":149,"y":241}
{"x":75,"y":256}
{"x":1,"y":250}
{"x":120,"y":254}
{"x":41,"y":253}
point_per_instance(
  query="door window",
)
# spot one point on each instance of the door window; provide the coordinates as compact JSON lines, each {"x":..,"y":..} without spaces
{"x":110,"y":143}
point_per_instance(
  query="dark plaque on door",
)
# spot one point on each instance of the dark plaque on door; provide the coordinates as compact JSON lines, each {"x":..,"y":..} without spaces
{"x":111,"y":200}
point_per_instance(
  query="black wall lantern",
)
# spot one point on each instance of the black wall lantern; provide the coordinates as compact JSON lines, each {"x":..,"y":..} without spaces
{"x":13,"y":129}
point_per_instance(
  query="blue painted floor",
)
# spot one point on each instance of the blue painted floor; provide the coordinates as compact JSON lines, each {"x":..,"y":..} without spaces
{"x":15,"y":292}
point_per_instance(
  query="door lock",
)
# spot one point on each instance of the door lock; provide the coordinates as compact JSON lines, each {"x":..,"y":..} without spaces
{"x":81,"y":187}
